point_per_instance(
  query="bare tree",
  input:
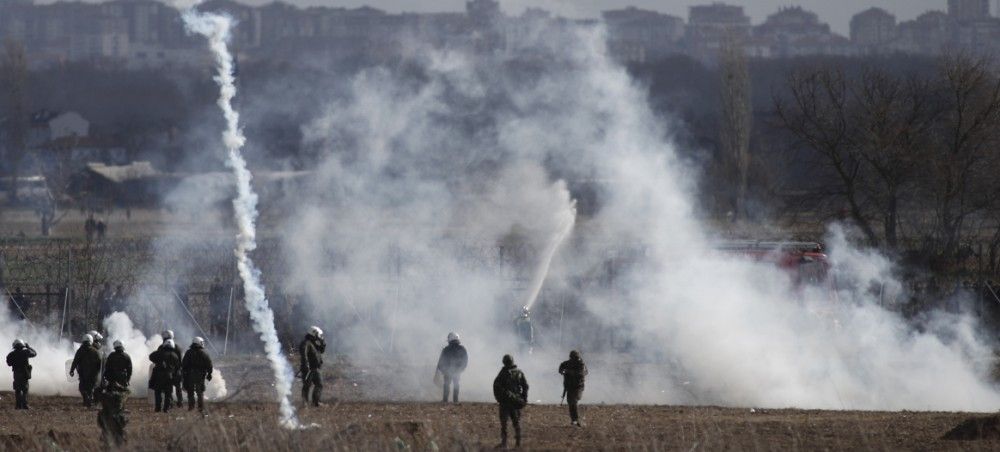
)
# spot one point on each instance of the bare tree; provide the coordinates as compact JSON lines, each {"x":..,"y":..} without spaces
{"x":14,"y":75}
{"x":818,"y":114}
{"x":736,"y":121}
{"x":964,"y":161}
{"x":894,"y":119}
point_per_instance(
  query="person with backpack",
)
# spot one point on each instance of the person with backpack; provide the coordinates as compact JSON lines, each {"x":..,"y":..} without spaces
{"x":510,"y":389}
{"x":574,"y":373}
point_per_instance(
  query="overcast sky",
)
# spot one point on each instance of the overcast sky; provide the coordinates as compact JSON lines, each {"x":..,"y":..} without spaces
{"x":835,"y":12}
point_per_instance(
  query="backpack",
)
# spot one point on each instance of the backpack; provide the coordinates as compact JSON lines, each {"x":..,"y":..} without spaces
{"x":512,"y":391}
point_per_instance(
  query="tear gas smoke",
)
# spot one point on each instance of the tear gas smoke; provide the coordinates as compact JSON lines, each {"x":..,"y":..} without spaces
{"x":423,"y":179}
{"x":50,"y":368}
{"x":216,"y":28}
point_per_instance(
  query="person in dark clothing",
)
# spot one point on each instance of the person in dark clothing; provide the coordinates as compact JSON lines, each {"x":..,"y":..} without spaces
{"x":111,"y":418}
{"x":117,"y":367}
{"x":310,"y":361}
{"x":574,"y":372}
{"x":99,"y":346}
{"x":102,"y":230}
{"x":510,"y":389}
{"x":18,"y":361}
{"x":88,"y":362}
{"x":177,"y":378}
{"x":454,"y":358}
{"x":196,"y":368}
{"x":161,"y":381}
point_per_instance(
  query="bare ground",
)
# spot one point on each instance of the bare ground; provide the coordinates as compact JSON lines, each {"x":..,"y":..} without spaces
{"x":60,"y":423}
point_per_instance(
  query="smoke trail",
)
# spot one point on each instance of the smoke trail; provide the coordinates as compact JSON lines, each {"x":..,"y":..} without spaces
{"x":550,"y":251}
{"x":216,"y":28}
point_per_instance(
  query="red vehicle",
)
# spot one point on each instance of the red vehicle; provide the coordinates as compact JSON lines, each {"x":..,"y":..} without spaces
{"x":806,"y":261}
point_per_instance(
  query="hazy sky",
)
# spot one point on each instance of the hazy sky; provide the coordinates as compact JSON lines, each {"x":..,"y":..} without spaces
{"x":836,"y":12}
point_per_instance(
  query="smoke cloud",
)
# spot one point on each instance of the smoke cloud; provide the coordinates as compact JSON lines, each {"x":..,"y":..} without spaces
{"x":50,"y":376}
{"x":442,"y":189}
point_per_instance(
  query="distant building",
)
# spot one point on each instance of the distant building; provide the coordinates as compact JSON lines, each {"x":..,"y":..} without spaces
{"x":969,"y":10}
{"x":246,"y":34}
{"x":873,"y":29}
{"x":637,"y":35}
{"x":931,"y":33}
{"x":793,"y":31}
{"x":709,"y":26}
{"x":486,"y":20}
{"x":483,"y":12}
{"x":981,"y":37}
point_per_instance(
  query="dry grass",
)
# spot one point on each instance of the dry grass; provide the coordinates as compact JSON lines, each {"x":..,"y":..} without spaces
{"x":59,"y":423}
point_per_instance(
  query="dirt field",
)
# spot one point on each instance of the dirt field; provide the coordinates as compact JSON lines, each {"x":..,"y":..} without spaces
{"x":61,"y":422}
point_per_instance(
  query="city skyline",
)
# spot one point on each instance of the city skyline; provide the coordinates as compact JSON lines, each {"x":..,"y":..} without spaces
{"x":837,"y":14}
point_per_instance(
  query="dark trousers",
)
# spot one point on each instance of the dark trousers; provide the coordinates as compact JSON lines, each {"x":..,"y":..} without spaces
{"x":573,"y":397}
{"x":20,"y":394}
{"x":514,"y":415}
{"x":87,"y":385}
{"x":450,"y":381}
{"x":162,"y":398}
{"x":312,"y":379}
{"x":180,"y":392}
{"x":196,"y":395}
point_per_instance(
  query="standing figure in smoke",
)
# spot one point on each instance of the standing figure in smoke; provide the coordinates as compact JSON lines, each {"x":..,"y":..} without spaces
{"x":18,"y":361}
{"x":310,"y":361}
{"x":161,"y":381}
{"x":574,"y":371}
{"x":524,"y":330}
{"x":117,"y":367}
{"x":196,"y":368}
{"x":176,"y":377}
{"x":451,"y":364}
{"x":87,"y":361}
{"x":510,"y":389}
{"x":99,"y":346}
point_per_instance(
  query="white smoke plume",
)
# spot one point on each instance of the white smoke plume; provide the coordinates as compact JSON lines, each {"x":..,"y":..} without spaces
{"x":50,"y":368}
{"x":48,"y":376}
{"x":139,"y":347}
{"x":216,"y":28}
{"x":425,"y":179}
